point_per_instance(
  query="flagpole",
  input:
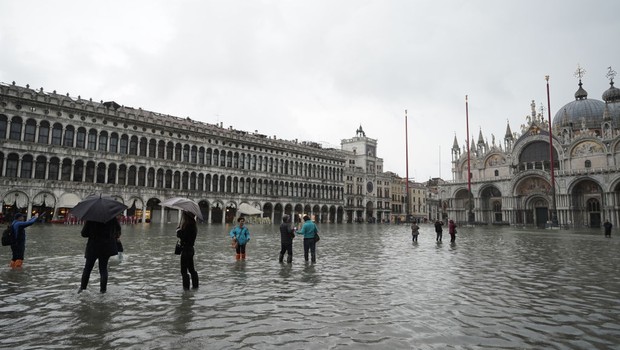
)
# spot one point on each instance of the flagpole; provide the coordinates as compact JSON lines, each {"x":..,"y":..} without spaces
{"x":407,"y":169}
{"x":554,"y":212}
{"x":470,"y":214}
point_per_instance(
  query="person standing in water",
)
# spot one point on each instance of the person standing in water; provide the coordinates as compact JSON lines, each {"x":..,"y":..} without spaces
{"x":438,"y":230}
{"x":18,"y":247}
{"x":452,"y":231}
{"x":241,"y":235}
{"x":607,"y":225}
{"x":287,"y":233}
{"x":415,"y":231}
{"x":309,"y":230}
{"x":101,"y":246}
{"x":187,"y":232}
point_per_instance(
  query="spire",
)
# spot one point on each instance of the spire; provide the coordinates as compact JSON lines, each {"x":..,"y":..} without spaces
{"x":508,"y":135}
{"x":455,"y":144}
{"x":480,"y":138}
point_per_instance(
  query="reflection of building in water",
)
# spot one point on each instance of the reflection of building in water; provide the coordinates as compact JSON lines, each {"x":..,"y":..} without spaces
{"x":57,"y":149}
{"x":511,"y":183}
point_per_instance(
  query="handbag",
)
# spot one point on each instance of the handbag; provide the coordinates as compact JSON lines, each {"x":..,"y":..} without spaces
{"x":234,"y":244}
{"x":316,"y":237}
{"x":178,"y":248}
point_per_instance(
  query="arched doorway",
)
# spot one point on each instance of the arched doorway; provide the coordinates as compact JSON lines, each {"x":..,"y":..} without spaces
{"x":491,"y":204}
{"x":586,"y":198}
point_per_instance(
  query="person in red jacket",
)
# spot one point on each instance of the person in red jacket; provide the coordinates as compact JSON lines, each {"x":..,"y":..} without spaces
{"x":452,"y":230}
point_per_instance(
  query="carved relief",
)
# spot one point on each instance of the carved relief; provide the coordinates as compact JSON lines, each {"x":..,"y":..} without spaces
{"x":495,"y":160}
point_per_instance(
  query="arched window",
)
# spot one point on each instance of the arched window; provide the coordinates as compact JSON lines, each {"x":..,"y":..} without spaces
{"x":588,"y":164}
{"x":3,"y":126}
{"x":44,"y":133}
{"x":131,"y":176}
{"x":103,"y":141}
{"x":16,"y":129}
{"x":101,"y":172}
{"x":26,"y":172}
{"x":133,"y":146}
{"x":11,"y":165}
{"x":80,"y":140}
{"x":496,"y":172}
{"x":40,"y":167}
{"x":92,"y":139}
{"x":123,"y":146}
{"x":57,"y":134}
{"x":69,"y":135}
{"x":30,"y":130}
{"x":65,"y":174}
{"x":54,"y":169}
{"x":114,"y":143}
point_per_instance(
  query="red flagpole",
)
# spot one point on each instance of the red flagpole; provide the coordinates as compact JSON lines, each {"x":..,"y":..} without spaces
{"x":554,"y":213}
{"x":469,"y":217}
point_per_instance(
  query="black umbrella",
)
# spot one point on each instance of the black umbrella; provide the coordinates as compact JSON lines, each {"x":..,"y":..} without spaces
{"x":98,"y":208}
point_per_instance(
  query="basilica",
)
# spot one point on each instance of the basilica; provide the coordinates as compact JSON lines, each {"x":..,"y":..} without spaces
{"x":566,"y":174}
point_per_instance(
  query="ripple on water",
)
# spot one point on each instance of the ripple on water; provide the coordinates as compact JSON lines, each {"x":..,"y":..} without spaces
{"x":496,"y":288}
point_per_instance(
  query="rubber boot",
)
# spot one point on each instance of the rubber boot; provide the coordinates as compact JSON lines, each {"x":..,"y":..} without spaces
{"x":238,"y":257}
{"x":281,"y":258}
{"x":19,"y":263}
{"x":103,"y":285}
{"x":12,"y":264}
{"x":243,"y":256}
{"x":289,"y":259}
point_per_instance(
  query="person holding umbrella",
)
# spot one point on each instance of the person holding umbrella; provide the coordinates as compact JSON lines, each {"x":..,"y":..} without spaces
{"x":186,"y":232}
{"x":101,"y":227}
{"x":101,"y":246}
{"x":241,"y":235}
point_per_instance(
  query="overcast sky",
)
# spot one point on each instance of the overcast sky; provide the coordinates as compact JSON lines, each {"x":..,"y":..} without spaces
{"x":316,"y":70}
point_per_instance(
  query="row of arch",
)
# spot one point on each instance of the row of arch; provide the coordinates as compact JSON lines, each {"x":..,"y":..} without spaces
{"x":29,"y":167}
{"x":92,"y":139}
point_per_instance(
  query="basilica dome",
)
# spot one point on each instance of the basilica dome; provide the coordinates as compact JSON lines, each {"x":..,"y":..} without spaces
{"x":581,"y":112}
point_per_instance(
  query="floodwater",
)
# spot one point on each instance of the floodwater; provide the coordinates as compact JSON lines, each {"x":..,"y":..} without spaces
{"x":372,"y":288}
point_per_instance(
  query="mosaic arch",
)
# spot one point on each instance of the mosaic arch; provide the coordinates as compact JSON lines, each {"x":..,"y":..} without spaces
{"x":587,"y":203}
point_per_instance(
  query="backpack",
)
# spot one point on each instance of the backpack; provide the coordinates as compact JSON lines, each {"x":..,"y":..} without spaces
{"x":7,"y":236}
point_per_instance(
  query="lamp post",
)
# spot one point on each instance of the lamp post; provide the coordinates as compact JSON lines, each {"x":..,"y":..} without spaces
{"x":554,"y":212}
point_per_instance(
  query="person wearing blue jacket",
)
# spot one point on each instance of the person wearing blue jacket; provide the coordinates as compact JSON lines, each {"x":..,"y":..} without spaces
{"x":241,"y":235}
{"x":309,"y":231}
{"x":19,"y":238}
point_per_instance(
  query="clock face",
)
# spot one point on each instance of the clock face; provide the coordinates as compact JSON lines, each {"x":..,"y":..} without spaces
{"x":369,"y":187}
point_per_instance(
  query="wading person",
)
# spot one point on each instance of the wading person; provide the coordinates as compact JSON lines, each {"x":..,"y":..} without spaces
{"x":438,"y":230}
{"x":18,"y":247}
{"x":452,"y":230}
{"x":187,"y":232}
{"x":101,"y":246}
{"x":287,"y":233}
{"x":309,"y":230}
{"x":415,"y":231}
{"x":607,"y":225}
{"x":241,"y":235}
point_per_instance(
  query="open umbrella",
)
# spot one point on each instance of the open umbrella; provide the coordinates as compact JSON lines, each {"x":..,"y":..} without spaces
{"x":98,"y":207}
{"x":181,"y":203}
{"x":247,"y":209}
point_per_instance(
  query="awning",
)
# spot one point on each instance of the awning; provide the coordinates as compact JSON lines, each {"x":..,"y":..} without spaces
{"x":68,"y":200}
{"x":247,"y":209}
{"x":46,"y":199}
{"x":20,"y":199}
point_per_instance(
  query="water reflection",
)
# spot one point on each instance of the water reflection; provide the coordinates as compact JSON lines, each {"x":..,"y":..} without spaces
{"x":370,"y":288}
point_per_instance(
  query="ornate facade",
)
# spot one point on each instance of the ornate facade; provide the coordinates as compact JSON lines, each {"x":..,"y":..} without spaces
{"x":511,"y":183}
{"x":55,"y":150}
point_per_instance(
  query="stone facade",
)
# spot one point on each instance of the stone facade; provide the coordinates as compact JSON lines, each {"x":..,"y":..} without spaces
{"x":56,"y":150}
{"x":511,"y":183}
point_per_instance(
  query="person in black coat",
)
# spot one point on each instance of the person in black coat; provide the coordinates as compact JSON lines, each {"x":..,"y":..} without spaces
{"x":187,"y":232}
{"x":438,"y":230}
{"x":101,"y":246}
{"x":287,"y":233}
